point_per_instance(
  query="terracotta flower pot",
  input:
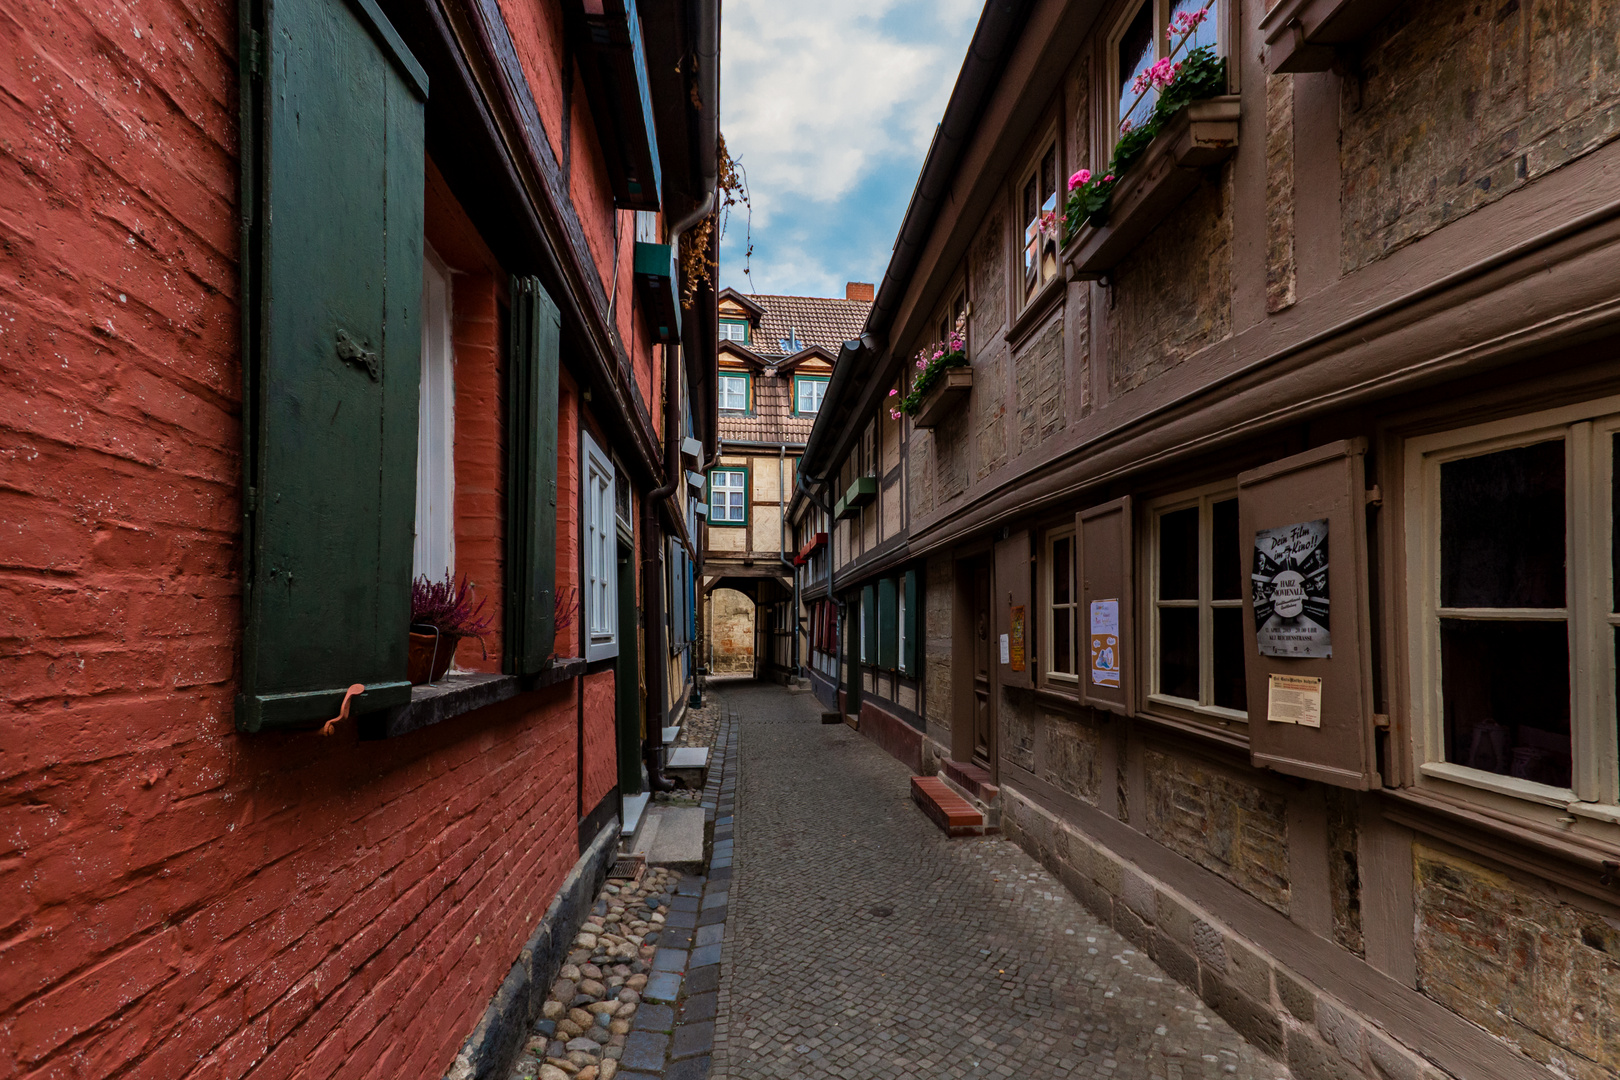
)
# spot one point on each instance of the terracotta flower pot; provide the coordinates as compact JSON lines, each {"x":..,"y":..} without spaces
{"x":427,"y":664}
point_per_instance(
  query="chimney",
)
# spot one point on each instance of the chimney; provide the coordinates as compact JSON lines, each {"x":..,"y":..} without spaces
{"x":859,"y":290}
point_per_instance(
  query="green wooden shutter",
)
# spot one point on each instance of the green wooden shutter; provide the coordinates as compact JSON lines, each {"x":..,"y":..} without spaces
{"x":332,"y":180}
{"x":535,"y":342}
{"x":908,"y":655}
{"x":888,"y":628}
{"x":869,"y":626}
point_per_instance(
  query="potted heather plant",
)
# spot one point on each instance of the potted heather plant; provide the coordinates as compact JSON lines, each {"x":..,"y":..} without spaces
{"x":1199,"y":75}
{"x":442,"y":613}
{"x":943,"y":376}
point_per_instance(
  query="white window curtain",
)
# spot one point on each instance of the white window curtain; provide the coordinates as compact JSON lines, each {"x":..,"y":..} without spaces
{"x":734,"y":393}
{"x":601,"y":549}
{"x":435,"y":550}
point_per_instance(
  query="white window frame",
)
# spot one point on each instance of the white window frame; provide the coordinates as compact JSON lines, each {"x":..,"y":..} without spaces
{"x":862,"y":629}
{"x":1044,"y":274}
{"x":1050,"y":610}
{"x":434,"y":550}
{"x":733,"y":329}
{"x":1588,"y":431}
{"x":1204,"y":499}
{"x":900,"y":623}
{"x":1162,"y":47}
{"x":601,"y":538}
{"x":721,"y":390}
{"x":720,"y":508}
{"x":800,"y":384}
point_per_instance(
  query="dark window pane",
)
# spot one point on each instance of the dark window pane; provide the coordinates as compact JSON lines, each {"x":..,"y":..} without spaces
{"x":1063,"y":640}
{"x":1048,"y":175}
{"x":1506,"y":691}
{"x":1178,"y":555}
{"x":1502,"y":528}
{"x":1228,"y":554}
{"x":1231,"y":691}
{"x":1178,"y":652}
{"x":1136,"y":55}
{"x":1062,"y":567}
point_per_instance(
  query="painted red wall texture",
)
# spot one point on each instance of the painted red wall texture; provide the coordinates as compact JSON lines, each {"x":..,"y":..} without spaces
{"x":601,"y":749}
{"x":177,"y":900}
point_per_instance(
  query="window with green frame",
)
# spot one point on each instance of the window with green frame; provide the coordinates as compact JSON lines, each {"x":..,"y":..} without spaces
{"x":735,"y":391}
{"x":728,"y":497}
{"x":808,"y":391}
{"x":734,"y":330}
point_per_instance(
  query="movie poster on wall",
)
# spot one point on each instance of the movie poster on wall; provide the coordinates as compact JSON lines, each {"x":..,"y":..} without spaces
{"x":1291,"y":590}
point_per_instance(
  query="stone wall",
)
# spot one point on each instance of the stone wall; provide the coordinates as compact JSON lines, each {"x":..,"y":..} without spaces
{"x":938,"y":596}
{"x":1458,"y":103}
{"x":731,"y":632}
{"x":1173,"y":296}
{"x":1041,"y":382}
{"x":1221,"y":822}
{"x":988,"y":402}
{"x":1069,"y":759}
{"x":1537,"y":971}
{"x":1280,"y":261}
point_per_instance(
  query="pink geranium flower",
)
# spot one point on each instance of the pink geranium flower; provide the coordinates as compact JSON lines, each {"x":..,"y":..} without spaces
{"x":1081,"y":177}
{"x":1186,"y":23}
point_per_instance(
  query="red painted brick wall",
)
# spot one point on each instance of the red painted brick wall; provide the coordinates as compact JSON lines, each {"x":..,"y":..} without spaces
{"x":175,"y":899}
{"x":601,"y":747}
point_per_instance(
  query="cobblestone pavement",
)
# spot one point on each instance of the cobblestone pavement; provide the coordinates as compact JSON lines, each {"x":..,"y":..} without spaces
{"x":863,"y":943}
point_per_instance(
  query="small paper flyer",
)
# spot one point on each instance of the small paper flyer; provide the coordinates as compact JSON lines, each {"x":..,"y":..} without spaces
{"x":1105,"y":642}
{"x":1295,"y":699}
{"x":1006,"y":650}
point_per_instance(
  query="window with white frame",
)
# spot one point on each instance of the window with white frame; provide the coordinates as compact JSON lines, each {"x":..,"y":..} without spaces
{"x":808,"y":390}
{"x":601,"y":551}
{"x":1154,"y":32}
{"x":734,"y":330}
{"x":1038,"y":210}
{"x":728,"y":490}
{"x":900,"y":621}
{"x":864,"y":658}
{"x":1060,"y":634}
{"x":434,"y":552}
{"x":1514,"y":582}
{"x":733,"y":392}
{"x":1196,"y":595}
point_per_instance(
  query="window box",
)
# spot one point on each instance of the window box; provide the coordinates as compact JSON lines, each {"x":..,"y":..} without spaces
{"x":861,"y":493}
{"x":655,"y":281}
{"x":457,"y":695}
{"x":945,"y":398}
{"x":841,"y":510}
{"x":1205,"y":133}
{"x":810,"y":546}
{"x":1304,"y":35}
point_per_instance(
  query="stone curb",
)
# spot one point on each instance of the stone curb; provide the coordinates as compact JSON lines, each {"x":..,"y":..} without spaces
{"x":493,"y":1047}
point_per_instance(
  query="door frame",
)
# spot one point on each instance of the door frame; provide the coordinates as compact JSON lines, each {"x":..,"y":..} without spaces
{"x":963,"y":633}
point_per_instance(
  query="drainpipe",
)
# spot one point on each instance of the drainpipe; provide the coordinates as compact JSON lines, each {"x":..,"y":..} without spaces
{"x":652,"y":581}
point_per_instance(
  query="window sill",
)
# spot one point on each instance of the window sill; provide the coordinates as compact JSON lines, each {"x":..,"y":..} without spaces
{"x":1035,"y":312}
{"x":1209,"y":730}
{"x":457,"y":695}
{"x":1205,"y":133}
{"x":1502,"y":785}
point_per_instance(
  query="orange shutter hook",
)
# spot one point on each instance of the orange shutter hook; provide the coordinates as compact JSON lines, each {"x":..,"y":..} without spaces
{"x":330,"y":727}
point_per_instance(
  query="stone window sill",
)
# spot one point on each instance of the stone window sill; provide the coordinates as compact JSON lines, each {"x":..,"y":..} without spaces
{"x":1205,"y":133}
{"x":457,"y":695}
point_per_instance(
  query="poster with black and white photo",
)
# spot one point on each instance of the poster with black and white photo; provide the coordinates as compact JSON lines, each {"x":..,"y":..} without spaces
{"x":1291,"y":590}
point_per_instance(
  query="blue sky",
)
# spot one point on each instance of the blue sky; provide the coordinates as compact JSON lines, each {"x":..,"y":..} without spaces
{"x":830,"y":106}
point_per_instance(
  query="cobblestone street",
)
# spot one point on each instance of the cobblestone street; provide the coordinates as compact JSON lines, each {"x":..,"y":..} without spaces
{"x":862,"y":943}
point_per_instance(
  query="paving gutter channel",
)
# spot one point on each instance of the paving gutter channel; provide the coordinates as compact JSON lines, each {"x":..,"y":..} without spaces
{"x":674,"y":1035}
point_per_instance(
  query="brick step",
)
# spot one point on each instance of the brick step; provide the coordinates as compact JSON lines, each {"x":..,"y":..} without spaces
{"x":947,"y":809}
{"x":973,"y":779}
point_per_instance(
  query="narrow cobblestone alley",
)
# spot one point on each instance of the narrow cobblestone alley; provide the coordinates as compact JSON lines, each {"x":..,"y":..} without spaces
{"x":863,"y":943}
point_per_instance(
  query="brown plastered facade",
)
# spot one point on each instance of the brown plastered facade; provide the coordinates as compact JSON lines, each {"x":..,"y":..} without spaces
{"x":1410,"y":252}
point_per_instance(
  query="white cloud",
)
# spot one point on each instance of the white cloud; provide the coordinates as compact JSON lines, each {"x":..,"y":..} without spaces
{"x":817,"y":94}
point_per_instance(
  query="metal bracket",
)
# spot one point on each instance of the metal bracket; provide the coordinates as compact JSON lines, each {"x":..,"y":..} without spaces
{"x":349,"y":351}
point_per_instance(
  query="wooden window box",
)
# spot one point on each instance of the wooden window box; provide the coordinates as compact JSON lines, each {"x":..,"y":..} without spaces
{"x":1304,"y":35}
{"x":1205,"y":133}
{"x":861,"y":493}
{"x":949,"y":394}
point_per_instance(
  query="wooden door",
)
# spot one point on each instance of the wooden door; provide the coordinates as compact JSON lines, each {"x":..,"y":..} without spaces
{"x":985,"y":657}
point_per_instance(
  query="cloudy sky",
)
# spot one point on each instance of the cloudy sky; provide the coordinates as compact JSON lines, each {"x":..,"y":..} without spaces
{"x":830,"y":106}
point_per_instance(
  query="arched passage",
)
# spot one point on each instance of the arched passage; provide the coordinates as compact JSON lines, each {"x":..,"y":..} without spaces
{"x":731,"y":632}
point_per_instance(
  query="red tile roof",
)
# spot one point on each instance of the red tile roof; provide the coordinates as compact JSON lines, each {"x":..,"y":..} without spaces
{"x":812,"y":320}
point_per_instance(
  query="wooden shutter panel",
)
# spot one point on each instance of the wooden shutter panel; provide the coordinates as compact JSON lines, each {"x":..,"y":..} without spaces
{"x":908,"y":655}
{"x":332,"y":179}
{"x":888,"y":626}
{"x":1328,"y":483}
{"x":1011,"y":590}
{"x":1106,"y":562}
{"x":535,"y":342}
{"x":869,"y":647}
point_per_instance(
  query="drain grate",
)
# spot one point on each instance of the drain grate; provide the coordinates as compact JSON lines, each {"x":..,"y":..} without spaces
{"x":628,"y":868}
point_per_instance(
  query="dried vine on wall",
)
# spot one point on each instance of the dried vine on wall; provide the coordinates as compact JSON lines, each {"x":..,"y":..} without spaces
{"x":700,"y":251}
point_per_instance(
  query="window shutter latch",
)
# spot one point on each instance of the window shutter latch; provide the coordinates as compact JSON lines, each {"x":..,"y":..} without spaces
{"x":349,"y":351}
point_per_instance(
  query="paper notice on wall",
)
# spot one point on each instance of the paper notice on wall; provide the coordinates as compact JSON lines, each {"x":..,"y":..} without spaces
{"x":1295,"y":699}
{"x":1006,"y":650}
{"x":1290,"y":582}
{"x":1105,"y":642}
{"x":1018,"y":638}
